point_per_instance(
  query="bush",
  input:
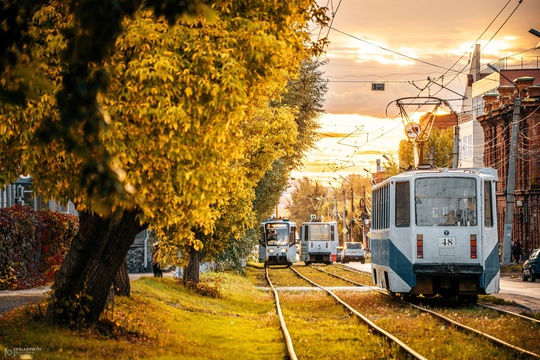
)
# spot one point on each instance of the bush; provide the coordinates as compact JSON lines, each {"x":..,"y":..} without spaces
{"x":54,"y":234}
{"x":33,"y":245}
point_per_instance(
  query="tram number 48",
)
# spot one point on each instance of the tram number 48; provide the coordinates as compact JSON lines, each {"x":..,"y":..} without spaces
{"x":447,"y":241}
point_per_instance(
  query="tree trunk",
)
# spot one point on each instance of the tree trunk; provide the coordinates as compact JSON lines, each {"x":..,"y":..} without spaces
{"x":122,"y":286}
{"x":191,"y":272}
{"x":88,"y":271}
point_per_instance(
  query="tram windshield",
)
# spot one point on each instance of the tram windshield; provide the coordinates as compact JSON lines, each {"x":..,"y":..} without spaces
{"x":445,"y":201}
{"x":320,"y":232}
{"x":277,"y":234}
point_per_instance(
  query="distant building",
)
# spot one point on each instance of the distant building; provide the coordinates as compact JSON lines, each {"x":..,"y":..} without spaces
{"x":21,"y":192}
{"x":471,"y":134}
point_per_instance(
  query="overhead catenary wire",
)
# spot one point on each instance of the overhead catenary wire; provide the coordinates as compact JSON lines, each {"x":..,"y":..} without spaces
{"x":447,"y":70}
{"x":496,"y":32}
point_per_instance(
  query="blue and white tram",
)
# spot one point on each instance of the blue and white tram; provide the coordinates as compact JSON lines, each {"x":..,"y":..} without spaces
{"x":435,"y":232}
{"x":319,"y":242}
{"x":277,"y":242}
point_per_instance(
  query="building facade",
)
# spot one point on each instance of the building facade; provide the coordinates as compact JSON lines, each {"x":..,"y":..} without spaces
{"x":495,"y":117}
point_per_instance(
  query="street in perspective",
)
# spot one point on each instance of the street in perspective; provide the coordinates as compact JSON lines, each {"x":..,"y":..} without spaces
{"x":298,"y":179}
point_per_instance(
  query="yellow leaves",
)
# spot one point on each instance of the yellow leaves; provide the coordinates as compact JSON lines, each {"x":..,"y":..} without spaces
{"x":197,"y":245}
{"x":179,"y":97}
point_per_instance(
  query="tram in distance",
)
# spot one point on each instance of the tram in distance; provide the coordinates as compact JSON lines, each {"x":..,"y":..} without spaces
{"x":435,"y":232}
{"x":319,"y":242}
{"x":277,"y":242}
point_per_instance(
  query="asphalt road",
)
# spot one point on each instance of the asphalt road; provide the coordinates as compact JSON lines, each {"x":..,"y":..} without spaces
{"x":14,"y":299}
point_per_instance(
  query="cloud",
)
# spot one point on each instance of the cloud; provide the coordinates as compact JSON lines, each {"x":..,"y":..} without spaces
{"x":437,"y":38}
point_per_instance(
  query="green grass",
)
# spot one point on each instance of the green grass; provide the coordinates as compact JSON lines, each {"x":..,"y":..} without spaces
{"x":165,"y":320}
{"x":161,"y":320}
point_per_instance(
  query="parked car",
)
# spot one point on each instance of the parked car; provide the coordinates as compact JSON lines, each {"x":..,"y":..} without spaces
{"x":352,"y":251}
{"x":531,"y":267}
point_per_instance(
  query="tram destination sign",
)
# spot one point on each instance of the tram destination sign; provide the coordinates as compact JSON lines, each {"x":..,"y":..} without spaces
{"x":377,"y":86}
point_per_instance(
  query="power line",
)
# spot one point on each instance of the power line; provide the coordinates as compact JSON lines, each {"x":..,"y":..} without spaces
{"x":496,"y":32}
{"x":391,"y":51}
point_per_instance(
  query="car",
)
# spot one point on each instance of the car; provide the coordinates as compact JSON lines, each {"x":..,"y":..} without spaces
{"x":531,"y":267}
{"x":353,"y":251}
{"x":338,"y":254}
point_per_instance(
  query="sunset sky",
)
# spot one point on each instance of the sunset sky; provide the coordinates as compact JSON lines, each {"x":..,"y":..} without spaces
{"x":402,"y":44}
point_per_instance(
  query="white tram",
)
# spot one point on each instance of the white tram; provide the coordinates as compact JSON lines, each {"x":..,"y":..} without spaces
{"x":319,"y":242}
{"x":277,"y":242}
{"x":435,"y":232}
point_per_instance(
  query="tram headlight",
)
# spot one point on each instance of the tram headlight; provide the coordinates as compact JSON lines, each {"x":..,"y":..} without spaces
{"x":283,"y":251}
{"x":270,"y":251}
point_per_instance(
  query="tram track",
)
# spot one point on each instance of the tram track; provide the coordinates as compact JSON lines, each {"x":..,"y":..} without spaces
{"x":460,"y":326}
{"x":367,"y":275}
{"x":283,"y":324}
{"x":363,"y":336}
{"x":379,"y":330}
{"x":387,"y":312}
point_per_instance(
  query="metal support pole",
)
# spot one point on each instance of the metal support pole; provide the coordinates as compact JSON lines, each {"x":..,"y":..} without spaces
{"x":344,"y":215}
{"x":335,"y":207}
{"x":364,"y":216}
{"x":455,"y":158}
{"x":352,"y":214}
{"x":511,"y":184}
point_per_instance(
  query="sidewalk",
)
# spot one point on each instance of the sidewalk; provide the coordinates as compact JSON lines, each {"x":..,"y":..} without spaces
{"x":11,"y":299}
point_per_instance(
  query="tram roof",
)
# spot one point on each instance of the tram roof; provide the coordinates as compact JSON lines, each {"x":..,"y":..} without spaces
{"x":280,"y":220}
{"x":483,"y":172}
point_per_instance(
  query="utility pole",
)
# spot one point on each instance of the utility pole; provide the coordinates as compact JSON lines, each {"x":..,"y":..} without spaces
{"x":511,"y":184}
{"x":455,"y":157}
{"x":352,"y":214}
{"x":344,"y":215}
{"x":335,"y":207}
{"x":511,"y":176}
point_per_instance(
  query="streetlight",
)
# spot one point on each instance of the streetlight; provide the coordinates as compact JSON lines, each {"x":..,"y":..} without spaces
{"x":536,"y":33}
{"x":511,"y":176}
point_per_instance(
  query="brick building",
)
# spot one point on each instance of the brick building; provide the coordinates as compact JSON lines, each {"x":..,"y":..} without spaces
{"x":496,"y":122}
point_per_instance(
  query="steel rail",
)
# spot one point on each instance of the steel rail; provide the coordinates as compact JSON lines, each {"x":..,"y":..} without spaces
{"x":344,"y":278}
{"x":286,"y":335}
{"x":368,"y":322}
{"x":453,"y":322}
{"x":509,"y":312}
{"x":472,"y":330}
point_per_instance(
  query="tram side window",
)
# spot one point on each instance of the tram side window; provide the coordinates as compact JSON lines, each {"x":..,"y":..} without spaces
{"x":403,"y":213}
{"x":381,"y":208}
{"x":488,"y":204}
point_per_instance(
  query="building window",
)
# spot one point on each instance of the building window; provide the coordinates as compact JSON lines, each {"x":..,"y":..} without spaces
{"x":467,"y":147}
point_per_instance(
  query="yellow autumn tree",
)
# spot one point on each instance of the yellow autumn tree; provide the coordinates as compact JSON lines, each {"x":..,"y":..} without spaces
{"x":164,"y":145}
